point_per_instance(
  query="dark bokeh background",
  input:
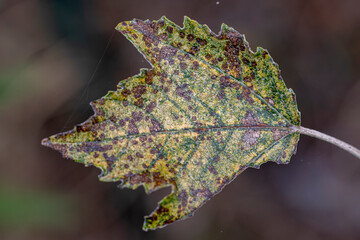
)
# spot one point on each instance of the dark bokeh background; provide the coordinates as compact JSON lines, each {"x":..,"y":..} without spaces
{"x":48,"y":53}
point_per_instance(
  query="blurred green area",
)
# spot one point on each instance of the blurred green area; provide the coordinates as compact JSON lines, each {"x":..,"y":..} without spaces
{"x":50,"y":49}
{"x":13,"y":84}
{"x":28,"y":208}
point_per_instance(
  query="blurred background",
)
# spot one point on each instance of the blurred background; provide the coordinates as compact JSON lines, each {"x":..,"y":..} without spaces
{"x":58,"y":55}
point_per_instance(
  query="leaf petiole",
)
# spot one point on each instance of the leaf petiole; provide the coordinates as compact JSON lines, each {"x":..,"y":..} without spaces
{"x":313,"y":133}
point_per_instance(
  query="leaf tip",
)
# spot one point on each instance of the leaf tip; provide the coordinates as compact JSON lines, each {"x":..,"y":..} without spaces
{"x":46,"y":142}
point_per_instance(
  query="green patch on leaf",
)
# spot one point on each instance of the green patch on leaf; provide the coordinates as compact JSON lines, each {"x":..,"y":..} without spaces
{"x":208,"y":109}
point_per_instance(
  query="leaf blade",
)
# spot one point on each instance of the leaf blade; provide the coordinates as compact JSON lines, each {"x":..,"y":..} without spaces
{"x":189,"y":122}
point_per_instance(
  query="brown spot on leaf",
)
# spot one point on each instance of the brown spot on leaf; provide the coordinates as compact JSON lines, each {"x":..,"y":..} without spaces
{"x":278,"y":134}
{"x":167,"y":52}
{"x":193,"y":50}
{"x":139,"y":90}
{"x":245,"y":61}
{"x":202,"y":42}
{"x":121,"y":122}
{"x":132,"y":128}
{"x":109,"y":160}
{"x":214,"y":61}
{"x":224,"y":66}
{"x":143,"y":177}
{"x":84,"y":127}
{"x":247,"y":79}
{"x":250,"y":119}
{"x":195,"y":65}
{"x":150,"y":107}
{"x":183,"y":66}
{"x":190,"y":37}
{"x":169,"y":29}
{"x":264,"y":54}
{"x":182,"y":93}
{"x":125,"y":92}
{"x":148,"y":41}
{"x":245,"y":94}
{"x":137,"y":116}
{"x":139,"y":103}
{"x":162,"y":210}
{"x":181,"y":34}
{"x":149,"y":77}
{"x":213,"y":170}
{"x":161,"y":23}
{"x":250,"y":138}
{"x":163,"y":36}
{"x":206,"y":193}
{"x":183,"y":198}
{"x":156,"y":126}
{"x":88,"y":147}
{"x":158,"y":179}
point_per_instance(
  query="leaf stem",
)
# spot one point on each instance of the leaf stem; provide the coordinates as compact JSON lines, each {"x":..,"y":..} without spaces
{"x":313,"y":133}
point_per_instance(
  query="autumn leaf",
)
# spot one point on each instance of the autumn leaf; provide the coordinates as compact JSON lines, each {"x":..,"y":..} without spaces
{"x":207,"y":109}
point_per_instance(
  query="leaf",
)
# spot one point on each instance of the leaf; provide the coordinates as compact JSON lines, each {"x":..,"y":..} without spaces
{"x":207,"y":110}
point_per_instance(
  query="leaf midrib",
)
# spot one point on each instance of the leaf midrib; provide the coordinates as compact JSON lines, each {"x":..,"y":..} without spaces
{"x":185,"y":130}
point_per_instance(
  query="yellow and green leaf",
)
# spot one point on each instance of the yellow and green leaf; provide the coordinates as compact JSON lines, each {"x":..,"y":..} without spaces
{"x":207,"y":109}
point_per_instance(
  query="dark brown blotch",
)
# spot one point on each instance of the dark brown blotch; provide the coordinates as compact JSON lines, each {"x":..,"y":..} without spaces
{"x":150,"y":107}
{"x":149,"y":77}
{"x":156,"y":126}
{"x":161,"y":23}
{"x":245,"y":61}
{"x":125,"y":92}
{"x":247,"y":79}
{"x":139,"y":103}
{"x":183,"y":66}
{"x":139,"y":90}
{"x":167,"y":52}
{"x":183,"y":198}
{"x":163,"y":36}
{"x":202,"y":42}
{"x":182,"y":93}
{"x":169,"y":29}
{"x":264,"y":54}
{"x":85,"y":127}
{"x":190,"y":37}
{"x":214,"y":61}
{"x":213,"y":170}
{"x":143,"y":177}
{"x":195,"y":65}
{"x":132,"y":128}
{"x":158,"y":179}
{"x":194,"y":49}
{"x":137,"y":116}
